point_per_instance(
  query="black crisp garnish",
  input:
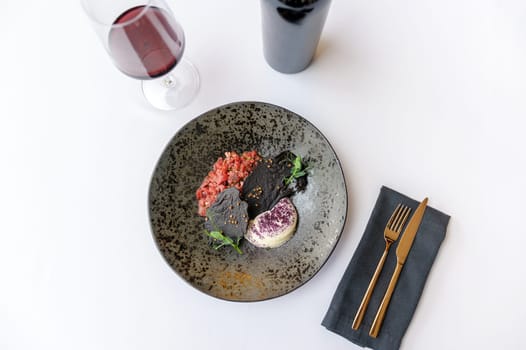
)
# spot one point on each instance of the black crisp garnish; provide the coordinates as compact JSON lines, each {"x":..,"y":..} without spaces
{"x":267,"y":183}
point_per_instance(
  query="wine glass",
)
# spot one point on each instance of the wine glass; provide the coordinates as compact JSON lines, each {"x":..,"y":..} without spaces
{"x":147,"y":43}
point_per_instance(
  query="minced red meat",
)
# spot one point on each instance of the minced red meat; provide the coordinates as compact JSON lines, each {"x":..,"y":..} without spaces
{"x":227,"y":172}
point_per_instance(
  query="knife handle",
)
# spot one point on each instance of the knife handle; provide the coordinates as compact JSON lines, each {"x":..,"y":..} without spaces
{"x":380,"y":315}
{"x":367,"y":297}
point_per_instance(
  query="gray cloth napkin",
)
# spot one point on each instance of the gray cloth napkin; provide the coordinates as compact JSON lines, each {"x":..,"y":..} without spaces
{"x":352,"y":287}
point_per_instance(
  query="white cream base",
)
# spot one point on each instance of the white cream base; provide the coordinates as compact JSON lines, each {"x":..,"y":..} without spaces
{"x":271,"y":239}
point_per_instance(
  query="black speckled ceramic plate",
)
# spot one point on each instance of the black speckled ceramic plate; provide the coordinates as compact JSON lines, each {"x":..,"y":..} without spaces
{"x":258,"y":274}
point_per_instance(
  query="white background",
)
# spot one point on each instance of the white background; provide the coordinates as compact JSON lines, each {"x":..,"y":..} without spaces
{"x":426,"y":97}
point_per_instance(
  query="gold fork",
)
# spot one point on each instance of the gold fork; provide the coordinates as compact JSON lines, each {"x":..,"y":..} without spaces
{"x":391,"y":233}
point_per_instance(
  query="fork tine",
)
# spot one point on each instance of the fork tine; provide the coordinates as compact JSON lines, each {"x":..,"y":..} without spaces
{"x":396,"y":221}
{"x":394,"y":215}
{"x":403,"y":218}
{"x":399,"y":216}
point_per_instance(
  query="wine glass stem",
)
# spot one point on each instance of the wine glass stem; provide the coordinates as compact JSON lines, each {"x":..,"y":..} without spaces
{"x":169,"y":81}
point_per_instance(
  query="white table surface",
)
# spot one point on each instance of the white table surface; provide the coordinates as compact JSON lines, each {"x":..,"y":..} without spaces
{"x":427,"y":97}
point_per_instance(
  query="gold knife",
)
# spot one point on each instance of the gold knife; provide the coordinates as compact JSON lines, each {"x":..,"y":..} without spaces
{"x":401,"y":255}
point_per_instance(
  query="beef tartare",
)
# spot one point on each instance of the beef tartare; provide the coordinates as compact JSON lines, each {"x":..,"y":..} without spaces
{"x":228,"y":171}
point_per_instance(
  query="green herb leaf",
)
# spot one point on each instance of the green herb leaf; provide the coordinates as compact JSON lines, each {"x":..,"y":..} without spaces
{"x":300,"y":174}
{"x":223,"y":240}
{"x":216,"y":235}
{"x":296,"y":171}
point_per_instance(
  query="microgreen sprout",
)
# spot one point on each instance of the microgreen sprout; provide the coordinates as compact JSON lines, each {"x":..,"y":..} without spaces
{"x":296,"y":171}
{"x":223,"y":240}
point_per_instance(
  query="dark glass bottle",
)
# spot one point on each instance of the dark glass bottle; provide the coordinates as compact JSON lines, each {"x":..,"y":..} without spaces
{"x":291,"y":31}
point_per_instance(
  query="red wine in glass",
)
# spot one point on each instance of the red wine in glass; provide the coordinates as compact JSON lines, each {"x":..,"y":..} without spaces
{"x":146,"y":42}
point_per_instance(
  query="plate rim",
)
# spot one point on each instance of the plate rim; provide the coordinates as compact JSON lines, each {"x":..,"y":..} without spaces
{"x":167,"y":145}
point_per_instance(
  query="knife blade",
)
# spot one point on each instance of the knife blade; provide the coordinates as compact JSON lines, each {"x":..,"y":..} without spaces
{"x":410,"y":232}
{"x":404,"y":246}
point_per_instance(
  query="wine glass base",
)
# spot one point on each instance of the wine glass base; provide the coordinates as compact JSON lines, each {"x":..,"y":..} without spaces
{"x":174,"y":90}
